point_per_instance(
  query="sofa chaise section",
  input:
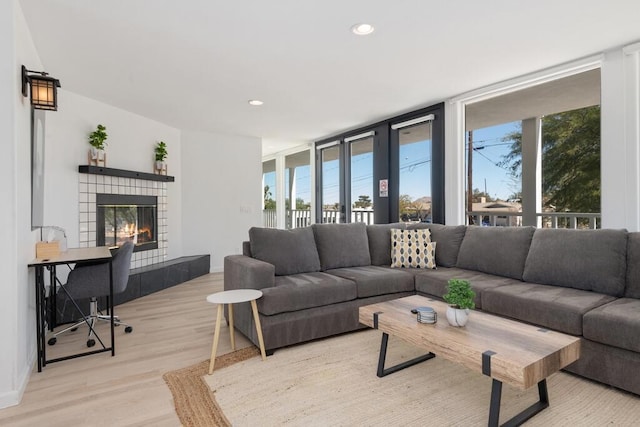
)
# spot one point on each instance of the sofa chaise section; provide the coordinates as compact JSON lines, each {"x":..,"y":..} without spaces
{"x":567,"y":274}
{"x":611,"y":332}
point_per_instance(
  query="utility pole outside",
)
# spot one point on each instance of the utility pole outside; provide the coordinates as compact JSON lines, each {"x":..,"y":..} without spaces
{"x":470,"y":178}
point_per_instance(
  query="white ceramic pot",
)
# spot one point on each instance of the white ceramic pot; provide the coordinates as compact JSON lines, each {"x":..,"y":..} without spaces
{"x":457,"y":317}
{"x":96,"y":154}
{"x":160,"y":165}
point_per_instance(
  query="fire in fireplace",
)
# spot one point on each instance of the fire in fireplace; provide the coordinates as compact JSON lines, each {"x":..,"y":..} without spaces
{"x":121,"y":217}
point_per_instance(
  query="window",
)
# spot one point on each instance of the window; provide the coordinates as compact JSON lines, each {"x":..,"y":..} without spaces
{"x":361,"y":172}
{"x":297,"y":176}
{"x":331,"y":204}
{"x":414,"y":202}
{"x":269,"y":194}
{"x":384,"y":171}
{"x":539,"y":151}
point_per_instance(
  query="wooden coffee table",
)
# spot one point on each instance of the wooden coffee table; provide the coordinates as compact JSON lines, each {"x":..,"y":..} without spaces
{"x":508,"y":351}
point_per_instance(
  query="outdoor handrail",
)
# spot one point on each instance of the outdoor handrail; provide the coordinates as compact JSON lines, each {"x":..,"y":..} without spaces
{"x":297,"y":218}
{"x":555,"y":219}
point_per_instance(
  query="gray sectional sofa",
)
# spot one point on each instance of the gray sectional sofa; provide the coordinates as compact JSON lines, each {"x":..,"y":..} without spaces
{"x":581,"y":282}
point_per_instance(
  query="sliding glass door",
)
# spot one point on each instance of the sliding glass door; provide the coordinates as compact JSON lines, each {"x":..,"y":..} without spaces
{"x":417,"y":167}
{"x":331,"y":207}
{"x":415,"y":147}
{"x":360,"y":203}
{"x":387,"y":172}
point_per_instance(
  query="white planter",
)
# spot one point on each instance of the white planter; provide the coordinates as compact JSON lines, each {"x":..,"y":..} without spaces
{"x":96,"y":154}
{"x":457,"y":317}
{"x":161,"y":165}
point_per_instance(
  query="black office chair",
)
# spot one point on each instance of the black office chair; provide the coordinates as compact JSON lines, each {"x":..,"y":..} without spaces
{"x":91,"y":280}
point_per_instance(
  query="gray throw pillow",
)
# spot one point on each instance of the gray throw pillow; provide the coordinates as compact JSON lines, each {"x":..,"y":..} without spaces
{"x":495,"y":250}
{"x":449,"y":238}
{"x":380,"y":242}
{"x":342,"y":245}
{"x":290,"y":251}
{"x":591,"y":260}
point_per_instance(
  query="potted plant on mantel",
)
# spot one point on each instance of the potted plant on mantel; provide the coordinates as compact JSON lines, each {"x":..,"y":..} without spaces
{"x":161,"y":154}
{"x":97,"y":139}
{"x":460,"y":298}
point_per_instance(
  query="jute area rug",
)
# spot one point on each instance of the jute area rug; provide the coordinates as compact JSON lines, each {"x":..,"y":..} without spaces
{"x":333,"y":382}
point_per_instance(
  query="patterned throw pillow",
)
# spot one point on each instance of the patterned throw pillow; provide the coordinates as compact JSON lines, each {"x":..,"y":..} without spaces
{"x":412,"y":248}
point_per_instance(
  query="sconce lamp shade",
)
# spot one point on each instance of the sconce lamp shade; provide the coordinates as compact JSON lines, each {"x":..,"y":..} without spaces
{"x":44,"y":93}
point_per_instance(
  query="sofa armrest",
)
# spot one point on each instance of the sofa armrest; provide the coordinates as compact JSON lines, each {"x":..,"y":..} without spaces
{"x":243,"y":272}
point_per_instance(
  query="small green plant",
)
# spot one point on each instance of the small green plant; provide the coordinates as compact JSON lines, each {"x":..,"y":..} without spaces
{"x":161,"y":151}
{"x":459,"y":294}
{"x":98,"y":137}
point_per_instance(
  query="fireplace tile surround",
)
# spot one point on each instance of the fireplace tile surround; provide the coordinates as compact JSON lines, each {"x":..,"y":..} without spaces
{"x":92,"y":181}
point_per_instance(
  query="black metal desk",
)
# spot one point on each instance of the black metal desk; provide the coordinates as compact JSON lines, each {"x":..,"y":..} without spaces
{"x":70,"y":256}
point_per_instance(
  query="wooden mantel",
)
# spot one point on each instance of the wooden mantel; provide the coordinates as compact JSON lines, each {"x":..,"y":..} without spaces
{"x":99,"y":170}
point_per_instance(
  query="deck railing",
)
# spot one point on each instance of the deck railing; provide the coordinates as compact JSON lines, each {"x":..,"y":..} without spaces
{"x":548,"y":219}
{"x":297,"y":218}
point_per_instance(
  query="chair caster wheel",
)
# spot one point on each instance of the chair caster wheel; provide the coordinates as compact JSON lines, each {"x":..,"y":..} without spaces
{"x":91,"y":343}
{"x":52,"y":341}
{"x":128,"y":329}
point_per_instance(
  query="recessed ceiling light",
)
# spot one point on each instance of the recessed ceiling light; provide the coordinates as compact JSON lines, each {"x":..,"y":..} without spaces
{"x":362,"y":29}
{"x":255,"y":102}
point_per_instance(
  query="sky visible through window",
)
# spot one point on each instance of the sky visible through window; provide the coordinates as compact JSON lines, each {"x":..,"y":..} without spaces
{"x":415,"y":170}
{"x":489,"y":152}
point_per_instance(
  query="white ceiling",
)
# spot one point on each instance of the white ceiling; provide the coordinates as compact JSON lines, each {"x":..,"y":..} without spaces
{"x":194,"y":64}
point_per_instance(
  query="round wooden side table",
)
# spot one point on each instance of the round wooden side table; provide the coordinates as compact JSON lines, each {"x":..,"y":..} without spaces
{"x":229,"y":298}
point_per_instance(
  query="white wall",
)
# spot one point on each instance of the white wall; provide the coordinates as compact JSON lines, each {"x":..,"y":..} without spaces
{"x":130,"y":142}
{"x":221,"y":194}
{"x":621,"y":138}
{"x":17,"y":312}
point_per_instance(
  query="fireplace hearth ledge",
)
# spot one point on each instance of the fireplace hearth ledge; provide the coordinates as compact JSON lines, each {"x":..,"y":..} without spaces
{"x":143,"y":281}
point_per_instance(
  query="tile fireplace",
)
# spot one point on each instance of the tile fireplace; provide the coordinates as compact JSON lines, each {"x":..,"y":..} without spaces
{"x":115,"y":204}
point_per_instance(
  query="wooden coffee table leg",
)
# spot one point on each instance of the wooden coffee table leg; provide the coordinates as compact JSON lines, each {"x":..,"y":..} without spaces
{"x":519,"y":419}
{"x":256,"y":318}
{"x":216,"y":336}
{"x":231,"y":329}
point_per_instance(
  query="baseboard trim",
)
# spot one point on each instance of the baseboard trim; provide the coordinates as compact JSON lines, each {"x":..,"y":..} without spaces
{"x":14,"y":397}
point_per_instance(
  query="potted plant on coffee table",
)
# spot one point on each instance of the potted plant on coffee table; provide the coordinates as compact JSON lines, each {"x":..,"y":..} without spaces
{"x":97,"y":140}
{"x":460,"y":298}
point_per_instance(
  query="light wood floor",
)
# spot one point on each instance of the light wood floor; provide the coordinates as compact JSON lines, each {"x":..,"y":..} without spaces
{"x":172,"y":329}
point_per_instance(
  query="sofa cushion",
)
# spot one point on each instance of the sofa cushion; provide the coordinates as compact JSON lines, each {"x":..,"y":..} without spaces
{"x":434,"y":282}
{"x":591,"y":260}
{"x":553,"y":307}
{"x":379,"y":236}
{"x":342,"y":245}
{"x":412,"y":248}
{"x":495,"y":250}
{"x":374,"y":280}
{"x":616,"y":324}
{"x":290,"y":251}
{"x":300,"y":291}
{"x":449,"y":239}
{"x":632,"y":285}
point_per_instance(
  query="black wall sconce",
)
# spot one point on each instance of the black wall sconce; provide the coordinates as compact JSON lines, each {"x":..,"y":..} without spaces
{"x":44,"y":92}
